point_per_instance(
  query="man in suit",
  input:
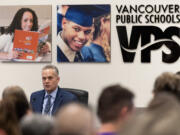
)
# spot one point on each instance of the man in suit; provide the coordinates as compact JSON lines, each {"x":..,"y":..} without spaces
{"x":52,"y":97}
{"x":77,"y":26}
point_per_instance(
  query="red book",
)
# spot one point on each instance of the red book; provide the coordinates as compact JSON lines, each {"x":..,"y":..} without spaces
{"x":44,"y":32}
{"x":26,"y":43}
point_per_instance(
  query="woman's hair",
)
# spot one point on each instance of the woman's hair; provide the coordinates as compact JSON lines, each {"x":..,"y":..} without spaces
{"x":19,"y":99}
{"x":97,"y":25}
{"x":98,"y":31}
{"x":16,"y":23}
{"x":8,"y":119}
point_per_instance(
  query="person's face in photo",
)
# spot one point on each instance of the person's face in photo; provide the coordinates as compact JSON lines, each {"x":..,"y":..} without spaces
{"x":50,"y":80}
{"x":74,"y":35}
{"x":27,"y":21}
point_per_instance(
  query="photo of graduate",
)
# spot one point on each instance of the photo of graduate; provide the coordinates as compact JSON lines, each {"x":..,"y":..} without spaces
{"x":83,"y":33}
{"x":25,"y":33}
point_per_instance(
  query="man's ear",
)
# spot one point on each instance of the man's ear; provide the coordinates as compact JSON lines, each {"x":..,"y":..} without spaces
{"x":58,"y":79}
{"x":124,"y":111}
{"x":64,"y":22}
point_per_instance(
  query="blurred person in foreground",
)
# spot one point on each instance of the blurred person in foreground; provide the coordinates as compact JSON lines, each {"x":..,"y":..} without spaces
{"x":37,"y":124}
{"x":115,"y":104}
{"x":19,"y":99}
{"x":9,"y":124}
{"x":167,"y":82}
{"x":161,"y":117}
{"x":75,"y":119}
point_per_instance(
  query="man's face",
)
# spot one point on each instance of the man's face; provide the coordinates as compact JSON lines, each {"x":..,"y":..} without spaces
{"x":50,"y":80}
{"x":74,"y":35}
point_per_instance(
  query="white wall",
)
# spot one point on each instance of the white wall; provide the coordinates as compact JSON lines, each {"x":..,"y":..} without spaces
{"x":7,"y":13}
{"x":92,"y":77}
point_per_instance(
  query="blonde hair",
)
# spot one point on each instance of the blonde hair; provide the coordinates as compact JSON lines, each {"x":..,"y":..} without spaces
{"x":99,"y":32}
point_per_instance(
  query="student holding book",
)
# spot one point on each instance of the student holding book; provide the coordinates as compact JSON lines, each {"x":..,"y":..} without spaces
{"x":25,"y":19}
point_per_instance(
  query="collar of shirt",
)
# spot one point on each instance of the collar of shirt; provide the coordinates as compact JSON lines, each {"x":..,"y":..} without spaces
{"x":53,"y":94}
{"x":68,"y":52}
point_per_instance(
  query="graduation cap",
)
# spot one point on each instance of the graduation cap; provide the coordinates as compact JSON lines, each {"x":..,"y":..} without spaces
{"x":83,"y":14}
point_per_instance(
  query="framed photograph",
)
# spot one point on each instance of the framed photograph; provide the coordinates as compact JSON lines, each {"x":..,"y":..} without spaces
{"x":83,"y":33}
{"x":25,"y":33}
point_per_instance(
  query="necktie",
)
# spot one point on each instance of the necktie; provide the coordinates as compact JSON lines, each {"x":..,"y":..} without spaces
{"x":48,"y":105}
{"x":78,"y":57}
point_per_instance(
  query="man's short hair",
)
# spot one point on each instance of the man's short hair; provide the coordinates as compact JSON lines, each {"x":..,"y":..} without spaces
{"x":112,"y":100}
{"x":37,"y":124}
{"x":51,"y":67}
{"x":75,"y":119}
{"x":168,"y":82}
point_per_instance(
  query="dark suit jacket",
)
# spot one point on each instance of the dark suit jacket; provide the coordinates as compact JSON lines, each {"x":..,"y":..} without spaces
{"x":60,"y":56}
{"x":62,"y":98}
